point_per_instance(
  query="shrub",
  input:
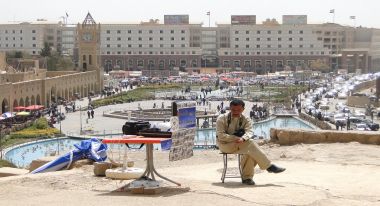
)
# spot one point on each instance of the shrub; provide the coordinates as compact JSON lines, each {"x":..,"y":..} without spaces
{"x":41,"y":123}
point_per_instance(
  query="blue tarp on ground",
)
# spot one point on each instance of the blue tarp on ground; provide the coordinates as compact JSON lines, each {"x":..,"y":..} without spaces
{"x":87,"y":149}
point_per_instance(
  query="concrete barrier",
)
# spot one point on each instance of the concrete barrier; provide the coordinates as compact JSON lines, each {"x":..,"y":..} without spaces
{"x":296,"y":136}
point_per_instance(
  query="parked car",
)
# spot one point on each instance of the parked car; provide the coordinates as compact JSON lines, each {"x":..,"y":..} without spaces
{"x":360,"y":127}
{"x":372,"y":125}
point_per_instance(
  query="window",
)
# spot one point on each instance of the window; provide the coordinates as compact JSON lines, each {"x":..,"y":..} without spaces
{"x":247,"y":39}
{"x":182,"y":31}
{"x":140,"y":45}
{"x":108,"y":31}
{"x":172,"y":38}
{"x":118,"y":31}
{"x":290,"y":46}
{"x":258,"y":46}
{"x":119,"y":38}
{"x":129,"y":38}
{"x":34,"y":45}
{"x":279,"y":39}
{"x":150,"y":31}
{"x":183,"y":38}
{"x":119,"y":45}
{"x":236,"y":32}
{"x":279,"y":46}
{"x":247,"y":46}
{"x":301,"y":32}
{"x":290,"y":32}
{"x":108,"y":38}
{"x":246,"y":32}
{"x":108,"y":46}
{"x":290,"y":39}
{"x":150,"y":45}
{"x":172,"y":45}
{"x":269,"y":39}
{"x":150,"y":38}
{"x":236,"y":46}
{"x":257,"y":39}
{"x":33,"y":31}
{"x":237,"y":63}
{"x":258,"y":32}
{"x":172,"y":31}
{"x":161,"y":38}
{"x":129,"y":45}
{"x":33,"y":38}
{"x":129,"y":31}
{"x":236,"y":39}
{"x":268,"y":46}
{"x":140,"y":39}
{"x":311,"y":45}
{"x":182,"y":45}
{"x":301,"y":46}
{"x":301,"y":39}
{"x":161,"y":45}
{"x":279,"y":32}
{"x":161,"y":31}
{"x":140,"y":31}
{"x":269,"y":32}
{"x":20,"y":31}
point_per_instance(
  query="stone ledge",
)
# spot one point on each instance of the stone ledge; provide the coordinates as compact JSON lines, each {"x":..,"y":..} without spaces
{"x":296,"y":136}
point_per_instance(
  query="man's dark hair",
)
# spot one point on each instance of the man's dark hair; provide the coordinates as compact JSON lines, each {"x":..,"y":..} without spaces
{"x":236,"y":102}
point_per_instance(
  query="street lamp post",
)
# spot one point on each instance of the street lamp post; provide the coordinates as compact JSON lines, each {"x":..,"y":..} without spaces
{"x":80,"y":118}
{"x":60,"y":127}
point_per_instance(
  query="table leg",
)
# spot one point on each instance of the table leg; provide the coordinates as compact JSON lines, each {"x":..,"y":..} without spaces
{"x":150,"y":165}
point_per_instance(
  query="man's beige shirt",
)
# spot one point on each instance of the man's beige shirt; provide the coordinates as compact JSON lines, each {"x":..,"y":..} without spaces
{"x":224,"y":134}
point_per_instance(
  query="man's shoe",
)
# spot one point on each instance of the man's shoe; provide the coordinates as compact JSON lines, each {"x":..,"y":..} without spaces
{"x":273,"y":168}
{"x":248,"y":182}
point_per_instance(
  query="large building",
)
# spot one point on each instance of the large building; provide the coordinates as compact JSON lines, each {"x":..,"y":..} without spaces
{"x":164,"y":48}
{"x":28,"y":84}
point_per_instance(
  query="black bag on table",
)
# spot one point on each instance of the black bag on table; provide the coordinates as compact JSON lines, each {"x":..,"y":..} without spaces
{"x":133,"y":127}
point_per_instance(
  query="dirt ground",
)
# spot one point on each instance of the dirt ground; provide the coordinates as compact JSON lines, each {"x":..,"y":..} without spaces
{"x":319,"y":174}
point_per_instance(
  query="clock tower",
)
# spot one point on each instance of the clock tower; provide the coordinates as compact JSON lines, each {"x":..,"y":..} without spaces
{"x":88,"y":43}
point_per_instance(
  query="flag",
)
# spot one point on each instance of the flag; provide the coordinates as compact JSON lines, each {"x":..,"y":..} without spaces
{"x":332,"y":11}
{"x":208,"y":13}
{"x":67,"y":15}
{"x":352,"y":17}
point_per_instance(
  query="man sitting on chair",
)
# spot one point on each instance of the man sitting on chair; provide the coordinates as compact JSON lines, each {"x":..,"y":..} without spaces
{"x":234,"y":132}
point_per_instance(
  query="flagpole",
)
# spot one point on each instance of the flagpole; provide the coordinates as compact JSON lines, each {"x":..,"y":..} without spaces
{"x":209,"y":14}
{"x":334,"y":17}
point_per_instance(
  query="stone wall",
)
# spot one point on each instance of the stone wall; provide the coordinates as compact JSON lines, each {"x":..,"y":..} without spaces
{"x":315,"y":121}
{"x":296,"y":136}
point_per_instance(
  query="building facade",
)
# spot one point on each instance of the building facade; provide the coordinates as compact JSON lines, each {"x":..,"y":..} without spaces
{"x":177,"y":44}
{"x":28,"y":84}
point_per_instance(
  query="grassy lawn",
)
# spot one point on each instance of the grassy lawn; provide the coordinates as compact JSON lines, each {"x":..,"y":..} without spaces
{"x":38,"y":130}
{"x":138,"y":94}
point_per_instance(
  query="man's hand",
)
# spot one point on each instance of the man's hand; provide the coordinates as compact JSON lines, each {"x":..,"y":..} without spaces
{"x":240,"y":140}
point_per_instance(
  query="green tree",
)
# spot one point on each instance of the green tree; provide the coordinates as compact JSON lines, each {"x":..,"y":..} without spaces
{"x":46,"y":51}
{"x":18,"y":54}
{"x":319,"y":65}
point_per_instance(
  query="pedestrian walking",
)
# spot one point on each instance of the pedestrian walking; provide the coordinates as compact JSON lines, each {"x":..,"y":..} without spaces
{"x":92,"y":114}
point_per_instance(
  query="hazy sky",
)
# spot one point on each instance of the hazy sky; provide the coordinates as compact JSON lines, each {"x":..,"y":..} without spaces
{"x":367,"y":12}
